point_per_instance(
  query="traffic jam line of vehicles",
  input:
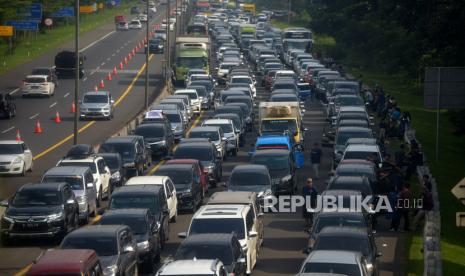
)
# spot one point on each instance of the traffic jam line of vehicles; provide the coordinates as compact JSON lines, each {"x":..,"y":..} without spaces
{"x":226,"y":232}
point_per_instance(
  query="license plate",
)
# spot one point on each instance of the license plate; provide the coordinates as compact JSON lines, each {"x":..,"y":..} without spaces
{"x":34,"y":87}
{"x":31,"y":225}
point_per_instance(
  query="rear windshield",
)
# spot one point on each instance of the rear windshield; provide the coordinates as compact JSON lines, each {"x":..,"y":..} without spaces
{"x":75,"y":182}
{"x":135,"y":201}
{"x":212,"y":135}
{"x":221,"y":226}
{"x":91,"y":165}
{"x":192,"y":96}
{"x":193,"y":153}
{"x":150,"y":132}
{"x":103,"y":246}
{"x":35,"y":80}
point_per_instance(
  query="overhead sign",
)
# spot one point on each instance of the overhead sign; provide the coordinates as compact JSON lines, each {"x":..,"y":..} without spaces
{"x":64,"y":12}
{"x":6,"y":30}
{"x":31,"y":12}
{"x":154,"y":114}
{"x":86,"y":9}
{"x":459,"y":191}
{"x":24,"y":25}
{"x":444,"y":87}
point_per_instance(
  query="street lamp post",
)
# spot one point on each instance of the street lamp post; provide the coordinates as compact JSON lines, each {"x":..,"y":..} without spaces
{"x":76,"y":81}
{"x":147,"y":53}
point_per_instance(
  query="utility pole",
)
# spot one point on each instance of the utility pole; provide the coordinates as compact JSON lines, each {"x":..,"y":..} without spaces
{"x":289,"y":12}
{"x":76,"y":80}
{"x":168,"y":54}
{"x":147,"y":53}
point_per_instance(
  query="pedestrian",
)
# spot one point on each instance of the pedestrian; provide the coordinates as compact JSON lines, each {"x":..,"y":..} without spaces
{"x":400,"y":156}
{"x":427,"y":182}
{"x":309,"y":193}
{"x":315,"y":156}
{"x":426,"y":208}
{"x":402,"y":209}
{"x":382,"y":129}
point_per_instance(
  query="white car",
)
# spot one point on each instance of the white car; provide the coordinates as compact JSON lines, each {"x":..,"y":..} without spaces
{"x":195,"y":101}
{"x":142,"y":17}
{"x":164,"y":25}
{"x":193,"y":267}
{"x":100,"y":172}
{"x":228,"y":218}
{"x":335,"y":262}
{"x":38,"y":85}
{"x":15,"y":157}
{"x":168,"y":186}
{"x":224,"y":68}
{"x":232,"y":138}
{"x":135,"y":24}
{"x":245,"y":79}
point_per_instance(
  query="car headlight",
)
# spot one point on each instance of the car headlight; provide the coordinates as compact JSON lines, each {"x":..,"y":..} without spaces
{"x":111,"y":270}
{"x":7,"y":218}
{"x":143,"y":246}
{"x":130,"y":165}
{"x":287,"y":178}
{"x":116,"y":176}
{"x":17,"y":160}
{"x":57,"y":216}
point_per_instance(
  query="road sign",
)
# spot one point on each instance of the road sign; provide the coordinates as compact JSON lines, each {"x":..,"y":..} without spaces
{"x":36,"y":11}
{"x":48,"y":22}
{"x":6,"y":30}
{"x":459,"y":191}
{"x":24,"y":25}
{"x":86,"y":9}
{"x":64,"y":12}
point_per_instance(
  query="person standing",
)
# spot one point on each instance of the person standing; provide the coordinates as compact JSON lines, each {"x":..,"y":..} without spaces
{"x":427,"y":207}
{"x":315,"y":156}
{"x":402,"y":209}
{"x":309,"y":193}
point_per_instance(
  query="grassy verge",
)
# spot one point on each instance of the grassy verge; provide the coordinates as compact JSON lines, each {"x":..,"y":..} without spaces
{"x":30,"y":48}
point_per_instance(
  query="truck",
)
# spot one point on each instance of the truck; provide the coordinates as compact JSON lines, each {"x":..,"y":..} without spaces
{"x":281,"y":117}
{"x":283,"y":141}
{"x":192,"y":52}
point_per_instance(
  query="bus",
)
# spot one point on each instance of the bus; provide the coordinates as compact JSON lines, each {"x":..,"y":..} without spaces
{"x":297,"y":38}
{"x":192,"y":52}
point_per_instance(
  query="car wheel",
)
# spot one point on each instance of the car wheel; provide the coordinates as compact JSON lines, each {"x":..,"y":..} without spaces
{"x":23,"y":172}
{"x":99,"y":198}
{"x":31,"y":167}
{"x":85,"y":220}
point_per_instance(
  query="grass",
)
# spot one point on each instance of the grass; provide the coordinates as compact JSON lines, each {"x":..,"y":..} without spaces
{"x":32,"y":47}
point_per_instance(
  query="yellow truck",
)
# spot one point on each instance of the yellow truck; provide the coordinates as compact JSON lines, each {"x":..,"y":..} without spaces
{"x":281,"y":117}
{"x":248,"y":7}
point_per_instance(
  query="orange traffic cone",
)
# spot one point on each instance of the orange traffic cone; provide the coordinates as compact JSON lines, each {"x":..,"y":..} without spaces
{"x":133,"y":52}
{"x":115,"y":72}
{"x":18,"y":136}
{"x":96,"y":88}
{"x":102,"y":84}
{"x":121,"y":66}
{"x":109,"y":76}
{"x":73,"y":108}
{"x":38,"y":128}
{"x":57,"y":118}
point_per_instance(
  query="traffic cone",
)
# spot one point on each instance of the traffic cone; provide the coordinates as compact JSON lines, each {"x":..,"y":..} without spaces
{"x":18,"y":136}
{"x":125,"y":60}
{"x":109,"y":76}
{"x":57,"y":118}
{"x":102,"y":84}
{"x":73,"y":108}
{"x":38,"y":128}
{"x":134,"y":52}
{"x":129,"y":56}
{"x":96,"y":88}
{"x":115,"y":72}
{"x":121,"y":66}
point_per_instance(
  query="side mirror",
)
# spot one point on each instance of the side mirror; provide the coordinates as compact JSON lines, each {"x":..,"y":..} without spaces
{"x":90,"y":185}
{"x":128,"y":249}
{"x":4,"y":203}
{"x":253,"y":234}
{"x":182,"y":235}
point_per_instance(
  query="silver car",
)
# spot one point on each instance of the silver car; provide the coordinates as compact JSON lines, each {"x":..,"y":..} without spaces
{"x":96,"y":105}
{"x":177,"y":123}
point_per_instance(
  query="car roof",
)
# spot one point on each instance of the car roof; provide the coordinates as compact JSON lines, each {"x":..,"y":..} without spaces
{"x":195,"y":145}
{"x":11,"y":142}
{"x":250,"y":168}
{"x":137,"y":189}
{"x":333,"y":256}
{"x":217,"y":121}
{"x":221,"y":211}
{"x":210,"y":238}
{"x":272,"y":152}
{"x":175,"y":166}
{"x":148,"y":179}
{"x":43,"y":186}
{"x":62,"y":261}
{"x":97,"y":231}
{"x":364,"y":147}
{"x":182,"y":161}
{"x":345,"y":231}
{"x":341,"y":192}
{"x":195,"y":267}
{"x":353,"y":129}
{"x":66,"y":171}
{"x":98,"y":93}
{"x":36,"y":76}
{"x":227,"y":197}
{"x":122,"y":139}
{"x":348,"y":179}
{"x":205,"y":128}
{"x":130,"y":212}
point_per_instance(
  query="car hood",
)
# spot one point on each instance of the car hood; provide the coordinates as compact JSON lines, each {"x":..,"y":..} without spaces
{"x":9,"y":157}
{"x":278,"y":173}
{"x":108,"y":261}
{"x":252,"y":188}
{"x":33,"y":210}
{"x":79,"y":192}
{"x":94,"y":105}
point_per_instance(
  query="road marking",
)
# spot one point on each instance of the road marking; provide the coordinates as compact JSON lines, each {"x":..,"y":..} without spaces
{"x":92,"y":72}
{"x":154,"y":169}
{"x":33,"y":116}
{"x":23,"y":271}
{"x":103,"y":63}
{"x":97,"y":41}
{"x":66,"y":95}
{"x":113,"y":54}
{"x":52,"y":105}
{"x":108,"y":59}
{"x":97,"y":69}
{"x":117,"y":51}
{"x":8,"y":129}
{"x":14,"y":91}
{"x":84,"y":79}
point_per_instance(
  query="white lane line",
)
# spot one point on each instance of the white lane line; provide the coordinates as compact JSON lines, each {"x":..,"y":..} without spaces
{"x":97,"y":69}
{"x":97,"y":41}
{"x":108,"y":59}
{"x":33,"y":116}
{"x":14,"y":91}
{"x":8,"y":129}
{"x":117,"y":51}
{"x":92,"y":72}
{"x":52,"y":105}
{"x":103,"y":63}
{"x":84,"y":79}
{"x":113,"y":55}
{"x":66,"y":95}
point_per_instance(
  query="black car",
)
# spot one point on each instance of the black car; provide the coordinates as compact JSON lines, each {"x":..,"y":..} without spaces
{"x":186,"y":179}
{"x":40,"y":210}
{"x":280,"y":164}
{"x":156,"y":46}
{"x":251,"y":178}
{"x":158,"y":136}
{"x":150,"y":197}
{"x":232,"y":109}
{"x":115,"y":164}
{"x":65,"y":64}
{"x":132,"y":150}
{"x":80,"y":151}
{"x":356,"y":183}
{"x":114,"y":245}
{"x":207,"y":154}
{"x":225,"y":247}
{"x":7,"y":106}
{"x":145,"y":231}
{"x":48,"y":71}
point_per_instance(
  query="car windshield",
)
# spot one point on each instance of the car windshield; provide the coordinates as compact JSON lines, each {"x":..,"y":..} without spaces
{"x":138,"y":225}
{"x":205,"y":251}
{"x":364,"y":155}
{"x":35,"y":80}
{"x":192,"y":96}
{"x":103,"y":246}
{"x":180,"y":177}
{"x":342,"y":137}
{"x":343,"y":243}
{"x":41,"y":71}
{"x":212,"y":135}
{"x":126,"y":201}
{"x":75,"y":182}
{"x":279,"y":125}
{"x":126,"y":150}
{"x":207,"y":84}
{"x":135,"y":22}
{"x":283,"y":86}
{"x":241,"y":80}
{"x":227,"y":128}
{"x":333,"y":268}
{"x":201,"y":90}
{"x":31,"y":197}
{"x":219,"y":225}
{"x":95,"y":99}
{"x":249,"y":179}
{"x":191,"y":62}
{"x":193,"y":153}
{"x":272,"y":162}
{"x":349,"y":101}
{"x":227,"y":66}
{"x":151,"y":132}
{"x":90,"y":165}
{"x":10,"y":149}
{"x":173,"y":118}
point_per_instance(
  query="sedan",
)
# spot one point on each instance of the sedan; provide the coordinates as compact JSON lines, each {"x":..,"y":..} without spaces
{"x":15,"y":157}
{"x":135,"y":25}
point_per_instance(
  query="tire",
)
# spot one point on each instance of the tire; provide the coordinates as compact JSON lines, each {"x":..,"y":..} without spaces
{"x":30,"y":169}
{"x":99,"y":198}
{"x":23,"y":172}
{"x":86,"y":218}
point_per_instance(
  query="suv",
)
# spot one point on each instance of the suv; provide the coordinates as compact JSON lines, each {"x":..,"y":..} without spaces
{"x":133,"y":150}
{"x":81,"y":182}
{"x":334,"y":262}
{"x":96,"y":105}
{"x":115,"y":164}
{"x":57,"y":215}
{"x":65,"y":63}
{"x":38,"y":85}
{"x":15,"y":157}
{"x":100,"y":172}
{"x":159,"y":136}
{"x":227,"y":127}
{"x":225,"y":219}
{"x":193,"y":267}
{"x":251,"y":178}
{"x":48,"y":71}
{"x":195,"y":101}
{"x":361,"y":151}
{"x":216,"y":136}
{"x":156,"y":46}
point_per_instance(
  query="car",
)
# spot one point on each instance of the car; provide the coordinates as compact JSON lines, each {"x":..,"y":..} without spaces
{"x":168,"y":188}
{"x":356,"y":183}
{"x":195,"y":101}
{"x":15,"y":158}
{"x":223,"y":70}
{"x":7,"y":106}
{"x":100,"y":172}
{"x":178,"y":127}
{"x":142,"y":17}
{"x":249,"y":116}
{"x":186,"y":179}
{"x":58,"y":213}
{"x":98,"y":104}
{"x":158,"y":136}
{"x":38,"y":85}
{"x":227,"y":127}
{"x":115,"y":164}
{"x":66,"y":262}
{"x":361,"y":151}
{"x":133,"y":150}
{"x":193,"y":267}
{"x":206,"y":91}
{"x":47,"y":71}
{"x":160,"y":33}
{"x":135,"y":24}
{"x":151,"y":197}
{"x":304,"y":91}
{"x":122,"y":26}
{"x":244,"y":79}
{"x":232,"y":109}
{"x":281,"y":166}
{"x":343,"y":134}
{"x":198,"y":167}
{"x":225,"y":247}
{"x":251,"y":177}
{"x":216,"y":136}
{"x":335,"y":262}
{"x":227,"y":218}
{"x":145,"y":231}
{"x":367,"y":169}
{"x":185,"y":99}
{"x":83,"y":185}
{"x":237,"y":122}
{"x":65,"y":64}
{"x":180,"y":105}
{"x":156,"y":45}
{"x":207,"y":154}
{"x":114,"y":244}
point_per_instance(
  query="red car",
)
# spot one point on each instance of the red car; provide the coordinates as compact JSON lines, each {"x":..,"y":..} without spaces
{"x":203,"y":173}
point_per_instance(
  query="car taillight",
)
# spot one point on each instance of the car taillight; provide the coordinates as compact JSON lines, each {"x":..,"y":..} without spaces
{"x":231,"y":274}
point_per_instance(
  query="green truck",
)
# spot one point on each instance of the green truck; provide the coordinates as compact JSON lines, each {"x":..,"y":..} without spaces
{"x":191,"y":53}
